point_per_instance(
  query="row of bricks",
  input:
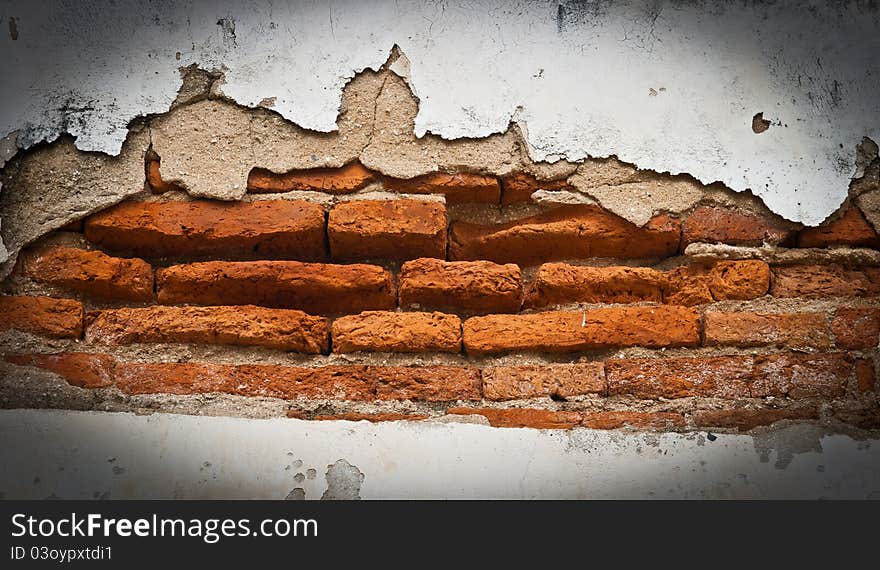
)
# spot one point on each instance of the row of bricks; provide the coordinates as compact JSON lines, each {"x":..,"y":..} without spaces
{"x":739,"y":419}
{"x":475,"y":287}
{"x":417,"y":332}
{"x":407,"y":229}
{"x":705,"y":224}
{"x":786,"y":375}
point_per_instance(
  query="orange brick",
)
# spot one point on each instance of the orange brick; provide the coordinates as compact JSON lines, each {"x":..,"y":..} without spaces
{"x":519,"y":187}
{"x":55,"y":318}
{"x":856,"y":328}
{"x":78,"y":368}
{"x":560,"y":283}
{"x":315,"y":288}
{"x":374,"y":418}
{"x":639,"y":420}
{"x":474,"y":287}
{"x":573,"y":331}
{"x":749,"y":418}
{"x":779,"y":375}
{"x":91,"y":272}
{"x":851,"y":229}
{"x":569,"y":232}
{"x":721,"y":225}
{"x":387,"y":331}
{"x":459,"y":188}
{"x":824,"y":281}
{"x":345,"y":180}
{"x":387,"y":229}
{"x":522,"y":418}
{"x":276,"y":229}
{"x":739,"y":280}
{"x":246,"y":325}
{"x":762,"y":329}
{"x":866,"y":375}
{"x":543,"y":380}
{"x":154,"y":178}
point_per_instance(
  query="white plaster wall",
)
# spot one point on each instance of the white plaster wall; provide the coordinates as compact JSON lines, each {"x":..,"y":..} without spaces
{"x":670,"y":86}
{"x":94,"y":454}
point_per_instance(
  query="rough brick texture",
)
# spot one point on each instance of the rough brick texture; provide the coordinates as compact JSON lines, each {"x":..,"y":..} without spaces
{"x":386,"y":331}
{"x":762,"y":329}
{"x":833,"y":280}
{"x":275,"y":229}
{"x":387,"y":229}
{"x":851,"y":229}
{"x":558,"y":381}
{"x":746,"y":419}
{"x":639,"y":420}
{"x":55,"y":318}
{"x":519,"y":187}
{"x":722,"y":225}
{"x":523,"y":417}
{"x":475,"y":287}
{"x":282,"y":329}
{"x":564,"y":233}
{"x":315,"y":288}
{"x":856,"y":328}
{"x":572,"y":331}
{"x":91,"y":272}
{"x":350,"y":178}
{"x":78,"y":368}
{"x":458,"y":188}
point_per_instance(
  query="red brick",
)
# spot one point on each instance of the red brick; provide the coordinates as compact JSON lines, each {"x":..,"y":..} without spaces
{"x":246,"y":325}
{"x":739,"y":280}
{"x":762,"y":329}
{"x":387,"y":229}
{"x":78,"y":368}
{"x":866,"y":376}
{"x":856,"y":328}
{"x":345,"y":180}
{"x":746,"y":419}
{"x":522,"y":418}
{"x":473,"y":287}
{"x":569,"y":232}
{"x":543,"y":380}
{"x":458,"y":188}
{"x":276,"y":229}
{"x":374,"y":418}
{"x":387,"y":331}
{"x":560,"y":283}
{"x":91,"y":272}
{"x":639,"y":420}
{"x":574,"y":331}
{"x":779,"y":375}
{"x":824,"y":281}
{"x":721,"y":225}
{"x":355,"y":382}
{"x":316,"y":288}
{"x":154,"y":178}
{"x":45,"y":316}
{"x":687,"y":286}
{"x":851,"y":229}
{"x":519,"y":187}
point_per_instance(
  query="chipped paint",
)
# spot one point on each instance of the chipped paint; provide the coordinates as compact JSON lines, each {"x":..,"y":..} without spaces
{"x":668,"y":86}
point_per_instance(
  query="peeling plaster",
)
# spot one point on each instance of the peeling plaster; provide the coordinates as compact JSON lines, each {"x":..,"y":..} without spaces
{"x":667,"y":86}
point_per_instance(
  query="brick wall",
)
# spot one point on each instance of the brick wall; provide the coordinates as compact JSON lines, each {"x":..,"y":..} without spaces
{"x":453,"y":294}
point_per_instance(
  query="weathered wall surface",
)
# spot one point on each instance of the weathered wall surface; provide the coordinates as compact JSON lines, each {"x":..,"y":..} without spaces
{"x":185,"y":457}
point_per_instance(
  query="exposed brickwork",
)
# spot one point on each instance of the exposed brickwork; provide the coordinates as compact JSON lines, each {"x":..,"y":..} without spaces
{"x":247,"y":325}
{"x":856,"y":328}
{"x":386,"y":331}
{"x":466,"y":286}
{"x":519,"y":417}
{"x":558,"y":381}
{"x":573,"y":331}
{"x":564,"y":233}
{"x":640,"y":420}
{"x":746,"y":419}
{"x":458,"y":188}
{"x":375,"y":418}
{"x":722,"y":225}
{"x":866,"y":374}
{"x":272,"y":229}
{"x":79,"y":369}
{"x":816,"y":281}
{"x":349,"y":178}
{"x":316,"y":288}
{"x":851,"y":229}
{"x":91,"y":272}
{"x":55,"y":318}
{"x":763,"y":329}
{"x":519,"y":187}
{"x":392,"y":229}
